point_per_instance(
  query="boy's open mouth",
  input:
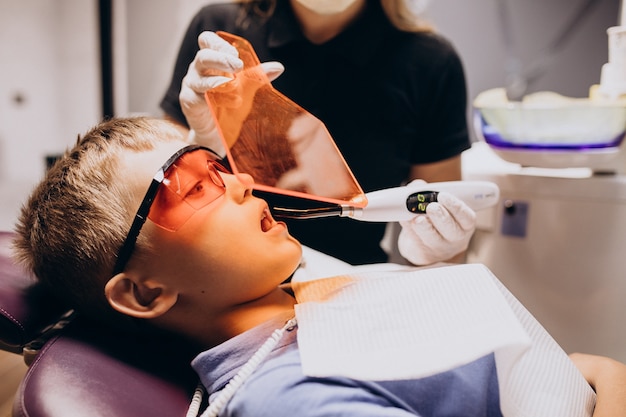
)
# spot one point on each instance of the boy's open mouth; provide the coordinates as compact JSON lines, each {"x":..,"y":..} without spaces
{"x":267,"y":222}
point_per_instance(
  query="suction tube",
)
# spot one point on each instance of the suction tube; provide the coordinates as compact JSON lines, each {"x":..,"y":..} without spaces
{"x":403,"y":203}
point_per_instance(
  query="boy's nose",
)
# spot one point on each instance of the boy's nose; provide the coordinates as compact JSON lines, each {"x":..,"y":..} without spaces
{"x":238,"y":184}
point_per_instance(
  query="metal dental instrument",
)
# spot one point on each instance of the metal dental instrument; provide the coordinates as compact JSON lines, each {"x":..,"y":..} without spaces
{"x":402,"y":203}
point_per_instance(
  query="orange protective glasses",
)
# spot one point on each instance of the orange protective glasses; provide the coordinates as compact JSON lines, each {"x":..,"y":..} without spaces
{"x":189,"y":181}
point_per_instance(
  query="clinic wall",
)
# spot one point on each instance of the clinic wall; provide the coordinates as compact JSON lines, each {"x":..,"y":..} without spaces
{"x":475,"y":27}
{"x":49,"y":88}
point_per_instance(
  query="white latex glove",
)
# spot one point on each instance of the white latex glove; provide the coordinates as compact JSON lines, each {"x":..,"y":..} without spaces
{"x":213,"y":65}
{"x":443,"y":232}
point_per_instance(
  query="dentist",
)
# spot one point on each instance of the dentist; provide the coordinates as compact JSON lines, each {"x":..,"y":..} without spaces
{"x":390,"y":90}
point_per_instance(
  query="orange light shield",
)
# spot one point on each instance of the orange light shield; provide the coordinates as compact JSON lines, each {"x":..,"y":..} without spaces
{"x":287,"y":150}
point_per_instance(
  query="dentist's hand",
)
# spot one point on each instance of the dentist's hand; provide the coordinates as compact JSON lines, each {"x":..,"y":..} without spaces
{"x":214,"y":64}
{"x":443,"y":232}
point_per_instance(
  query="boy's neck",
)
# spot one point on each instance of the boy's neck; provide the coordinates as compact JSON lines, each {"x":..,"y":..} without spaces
{"x":210,"y":328}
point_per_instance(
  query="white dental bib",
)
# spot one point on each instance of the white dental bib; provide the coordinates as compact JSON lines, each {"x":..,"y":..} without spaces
{"x":414,"y":323}
{"x":390,"y":322}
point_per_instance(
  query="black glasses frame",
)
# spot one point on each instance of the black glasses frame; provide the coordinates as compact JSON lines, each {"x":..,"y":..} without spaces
{"x":126,"y":250}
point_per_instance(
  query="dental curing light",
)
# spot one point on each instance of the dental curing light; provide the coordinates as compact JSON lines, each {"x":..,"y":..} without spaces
{"x":402,"y":203}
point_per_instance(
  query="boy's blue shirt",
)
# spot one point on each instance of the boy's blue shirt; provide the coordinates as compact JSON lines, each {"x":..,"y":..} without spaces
{"x":279,"y":388}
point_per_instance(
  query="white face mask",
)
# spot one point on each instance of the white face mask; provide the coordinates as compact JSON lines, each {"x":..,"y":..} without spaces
{"x":416,"y":7}
{"x":327,"y":6}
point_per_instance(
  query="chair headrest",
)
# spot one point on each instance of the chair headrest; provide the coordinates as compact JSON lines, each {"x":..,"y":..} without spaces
{"x":87,"y":371}
{"x":25,"y":307}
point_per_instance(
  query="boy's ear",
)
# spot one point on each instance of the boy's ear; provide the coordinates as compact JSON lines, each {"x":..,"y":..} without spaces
{"x":144,"y":299}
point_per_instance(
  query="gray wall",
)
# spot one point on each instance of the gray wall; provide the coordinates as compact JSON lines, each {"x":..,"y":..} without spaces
{"x":474,"y":26}
{"x":49,"y":81}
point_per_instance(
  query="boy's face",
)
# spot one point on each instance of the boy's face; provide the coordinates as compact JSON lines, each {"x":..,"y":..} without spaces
{"x":230,"y":252}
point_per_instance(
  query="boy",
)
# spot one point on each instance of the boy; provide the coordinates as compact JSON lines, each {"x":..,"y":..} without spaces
{"x":204,"y":259}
